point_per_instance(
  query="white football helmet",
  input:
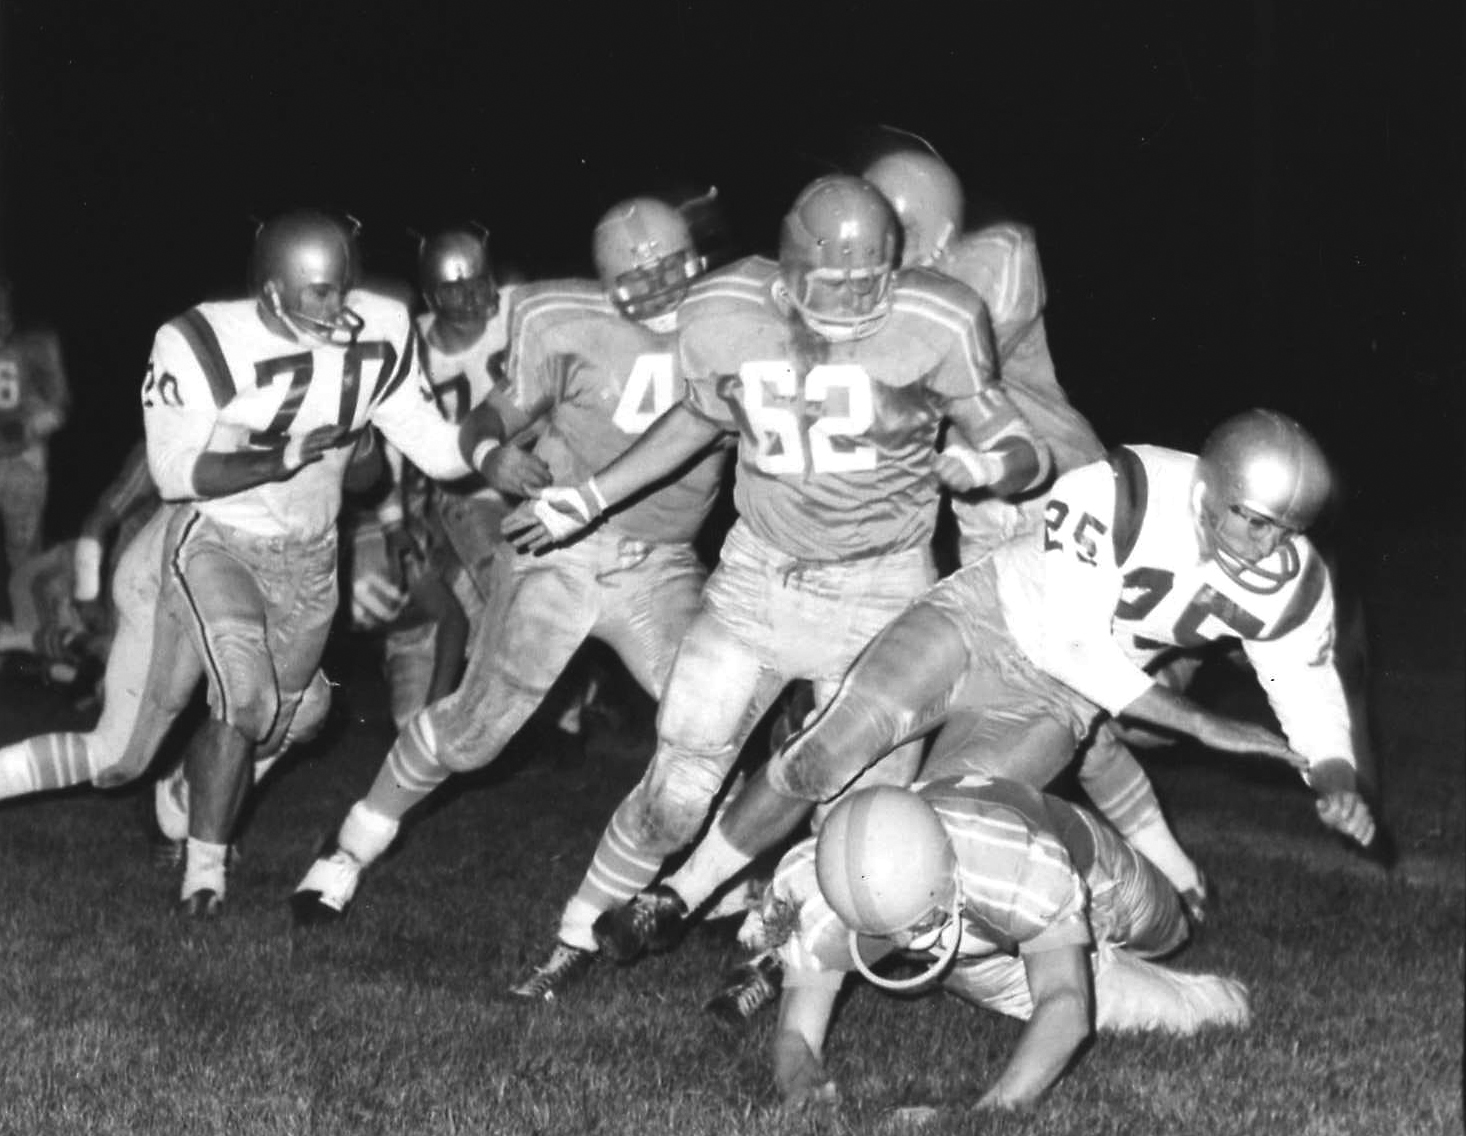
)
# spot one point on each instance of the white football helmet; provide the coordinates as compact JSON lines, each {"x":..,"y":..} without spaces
{"x":646,"y":258}
{"x":1261,"y":479}
{"x":837,"y":257}
{"x":927,"y":197}
{"x":886,"y":867}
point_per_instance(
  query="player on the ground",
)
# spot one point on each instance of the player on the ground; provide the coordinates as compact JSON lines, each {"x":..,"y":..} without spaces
{"x":34,"y":401}
{"x":836,"y":371}
{"x":598,"y":355}
{"x":1013,"y":900}
{"x":1017,"y":656}
{"x":250,"y":407}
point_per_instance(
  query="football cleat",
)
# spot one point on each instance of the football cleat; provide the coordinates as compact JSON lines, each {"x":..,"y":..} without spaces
{"x":652,"y":921}
{"x":746,"y":990}
{"x":327,"y":889}
{"x":545,"y":982}
{"x":201,"y":905}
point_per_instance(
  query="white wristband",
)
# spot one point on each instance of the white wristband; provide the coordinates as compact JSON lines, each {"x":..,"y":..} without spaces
{"x":595,"y":491}
{"x":293,"y":456}
{"x":86,"y":567}
{"x":985,"y":468}
{"x":483,"y":450}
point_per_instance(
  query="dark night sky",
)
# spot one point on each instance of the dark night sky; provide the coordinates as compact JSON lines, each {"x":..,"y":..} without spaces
{"x":1237,"y":204}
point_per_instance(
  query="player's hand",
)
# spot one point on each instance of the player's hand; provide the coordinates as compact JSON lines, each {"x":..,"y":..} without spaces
{"x":558,"y":513}
{"x":312,"y":446}
{"x":1345,"y":811}
{"x":798,"y":1074}
{"x":962,"y":469}
{"x":512,"y":469}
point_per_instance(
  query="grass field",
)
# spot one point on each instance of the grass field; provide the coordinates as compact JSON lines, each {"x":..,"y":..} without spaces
{"x":118,"y":1018}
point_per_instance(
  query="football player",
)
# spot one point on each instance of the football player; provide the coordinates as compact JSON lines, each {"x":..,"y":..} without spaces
{"x":1017,"y":656}
{"x":34,"y":401}
{"x":599,"y":353}
{"x":250,"y":407}
{"x":836,"y":372}
{"x":1010,"y":899}
{"x":1000,"y":263}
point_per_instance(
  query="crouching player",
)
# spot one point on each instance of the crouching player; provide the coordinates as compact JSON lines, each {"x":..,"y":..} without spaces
{"x":1015,"y":901}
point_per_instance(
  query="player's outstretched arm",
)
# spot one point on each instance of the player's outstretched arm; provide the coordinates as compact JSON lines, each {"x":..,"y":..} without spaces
{"x":1062,"y":989}
{"x":220,"y":474}
{"x":804,"y":1016}
{"x":1166,"y":708}
{"x":561,"y":512}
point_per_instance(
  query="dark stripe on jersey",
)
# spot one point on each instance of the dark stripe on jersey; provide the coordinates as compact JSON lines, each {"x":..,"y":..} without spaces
{"x":204,"y":344}
{"x":1305,"y":597}
{"x":385,"y":385}
{"x":1132,"y":490}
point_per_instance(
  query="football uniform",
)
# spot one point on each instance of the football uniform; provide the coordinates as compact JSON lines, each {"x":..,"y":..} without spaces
{"x":470,"y":515}
{"x":633,"y":582}
{"x":256,"y":570}
{"x":837,"y":503}
{"x":1001,"y":264}
{"x":1019,"y":653}
{"x":34,"y":400}
{"x":1037,"y":874}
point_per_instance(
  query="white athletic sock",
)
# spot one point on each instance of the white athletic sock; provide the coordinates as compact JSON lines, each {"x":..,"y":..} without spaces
{"x":365,"y":833}
{"x":1155,"y":841}
{"x":575,"y":924}
{"x":712,"y":863}
{"x":203,"y":867}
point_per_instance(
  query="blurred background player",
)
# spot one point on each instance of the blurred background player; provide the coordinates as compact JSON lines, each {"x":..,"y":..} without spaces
{"x":597,"y":357}
{"x":250,"y":407}
{"x":34,"y":402}
{"x":836,"y":373}
{"x":1011,"y":899}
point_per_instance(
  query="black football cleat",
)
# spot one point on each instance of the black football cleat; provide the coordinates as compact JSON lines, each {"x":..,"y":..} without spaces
{"x":202,"y":905}
{"x":545,"y":982}
{"x":746,"y":990}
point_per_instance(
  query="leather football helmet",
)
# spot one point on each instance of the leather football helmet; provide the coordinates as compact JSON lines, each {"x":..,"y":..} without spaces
{"x":1261,"y":479}
{"x":296,"y":257}
{"x":926,"y":196}
{"x":837,"y":256}
{"x":457,"y":277}
{"x":886,"y":867}
{"x":645,"y":257}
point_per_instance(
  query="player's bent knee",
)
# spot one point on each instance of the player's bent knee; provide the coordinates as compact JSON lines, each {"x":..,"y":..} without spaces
{"x":676,"y":796}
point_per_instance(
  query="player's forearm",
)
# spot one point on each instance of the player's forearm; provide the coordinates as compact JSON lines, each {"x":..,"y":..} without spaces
{"x":219,"y":475}
{"x":1049,"y":1041}
{"x":670,"y":442}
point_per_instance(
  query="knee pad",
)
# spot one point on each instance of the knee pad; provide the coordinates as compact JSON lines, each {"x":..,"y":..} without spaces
{"x":675,"y":796}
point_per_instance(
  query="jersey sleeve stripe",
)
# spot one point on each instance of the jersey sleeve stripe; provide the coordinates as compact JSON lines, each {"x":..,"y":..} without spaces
{"x":405,"y":366}
{"x":198,"y":333}
{"x":1132,"y":490}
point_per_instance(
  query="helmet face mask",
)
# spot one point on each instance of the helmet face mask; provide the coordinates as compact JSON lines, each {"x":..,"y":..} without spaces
{"x":302,"y":268}
{"x":1261,"y":480}
{"x":928,"y":199}
{"x":456,"y":278}
{"x":837,"y":257}
{"x":646,"y":259}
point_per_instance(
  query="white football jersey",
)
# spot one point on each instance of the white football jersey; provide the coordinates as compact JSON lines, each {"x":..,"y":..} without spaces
{"x":1117,"y":576}
{"x":220,"y":380}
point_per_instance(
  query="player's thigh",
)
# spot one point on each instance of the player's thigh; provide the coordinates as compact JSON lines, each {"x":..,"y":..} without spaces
{"x":712,"y":687}
{"x":299,"y":617}
{"x":645,"y":613}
